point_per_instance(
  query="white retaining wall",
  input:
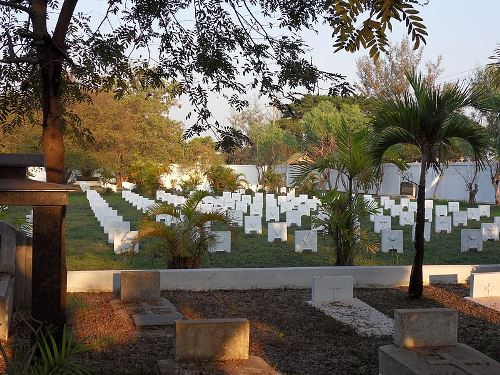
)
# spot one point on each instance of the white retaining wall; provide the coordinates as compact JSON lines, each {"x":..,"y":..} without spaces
{"x":270,"y":278}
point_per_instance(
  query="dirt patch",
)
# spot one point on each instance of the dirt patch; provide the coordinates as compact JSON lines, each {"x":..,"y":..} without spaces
{"x":292,"y":336}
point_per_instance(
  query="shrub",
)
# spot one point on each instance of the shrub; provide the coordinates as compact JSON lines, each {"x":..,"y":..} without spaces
{"x":223,"y":178}
{"x":272,"y":181}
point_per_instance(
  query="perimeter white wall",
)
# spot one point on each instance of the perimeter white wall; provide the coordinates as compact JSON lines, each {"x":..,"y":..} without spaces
{"x":270,"y":278}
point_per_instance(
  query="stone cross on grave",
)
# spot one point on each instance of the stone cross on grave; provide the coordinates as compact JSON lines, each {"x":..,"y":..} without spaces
{"x":450,"y":362}
{"x":333,"y":288}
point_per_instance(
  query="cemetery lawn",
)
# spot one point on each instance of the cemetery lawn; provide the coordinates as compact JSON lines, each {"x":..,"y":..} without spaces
{"x":289,"y":334}
{"x":87,"y":249}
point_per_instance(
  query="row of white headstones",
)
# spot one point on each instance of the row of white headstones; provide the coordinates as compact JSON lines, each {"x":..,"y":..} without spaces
{"x":470,"y":238}
{"x":113,"y":225}
{"x":247,"y":211}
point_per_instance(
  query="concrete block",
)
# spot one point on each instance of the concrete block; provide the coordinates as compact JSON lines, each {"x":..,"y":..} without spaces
{"x":140,"y":286}
{"x":471,"y":239}
{"x":443,"y":279}
{"x":453,"y":206}
{"x":484,"y":284}
{"x":222,"y":241}
{"x":332,"y":288}
{"x":458,"y":359}
{"x":421,"y":328}
{"x":277,"y":231}
{"x":442,"y":224}
{"x":459,"y":218}
{"x":212,"y":339}
{"x":392,"y":240}
{"x":306,"y":240}
{"x":484,"y":210}
{"x":490,"y":231}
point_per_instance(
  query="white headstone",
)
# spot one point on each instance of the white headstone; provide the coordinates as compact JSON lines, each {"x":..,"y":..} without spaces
{"x":381,"y":223}
{"x":428,"y":214}
{"x":116,"y":228}
{"x":276,"y":231}
{"x":473,"y":214}
{"x":459,"y":218}
{"x":406,"y":218}
{"x":392,"y":240}
{"x":441,"y":210}
{"x":222,"y":241}
{"x":255,"y":209}
{"x":247,"y":199}
{"x":388,"y":203}
{"x":305,"y":209}
{"x":484,"y":284}
{"x":429,"y":203}
{"x":453,"y":206}
{"x":306,"y":240}
{"x":332,"y":288}
{"x":272,"y":213}
{"x":396,"y":210}
{"x":427,"y":232}
{"x":235,"y":217}
{"x":404,"y":202}
{"x":490,"y":231}
{"x":442,"y":224}
{"x":293,"y":217}
{"x":471,"y":239}
{"x":253,"y":224}
{"x":412,"y":206}
{"x":379,"y":212}
{"x":484,"y":210}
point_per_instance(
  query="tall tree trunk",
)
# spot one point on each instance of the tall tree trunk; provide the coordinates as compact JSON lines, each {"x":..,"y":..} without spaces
{"x":119,"y":176}
{"x":416,"y":286}
{"x":495,"y":180}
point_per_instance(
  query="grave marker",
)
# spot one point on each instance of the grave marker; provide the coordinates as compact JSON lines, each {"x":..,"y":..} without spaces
{"x":306,"y":240}
{"x":392,"y":240}
{"x":276,"y":231}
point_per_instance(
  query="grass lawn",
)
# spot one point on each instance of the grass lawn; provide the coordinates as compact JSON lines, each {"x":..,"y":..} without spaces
{"x":87,"y":248}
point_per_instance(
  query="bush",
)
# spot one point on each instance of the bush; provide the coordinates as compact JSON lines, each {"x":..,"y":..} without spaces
{"x":146,"y":176}
{"x":223,"y":178}
{"x":272,"y":181}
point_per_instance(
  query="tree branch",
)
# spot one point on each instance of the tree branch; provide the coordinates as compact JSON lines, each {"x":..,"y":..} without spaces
{"x":15,"y":5}
{"x":63,"y":22}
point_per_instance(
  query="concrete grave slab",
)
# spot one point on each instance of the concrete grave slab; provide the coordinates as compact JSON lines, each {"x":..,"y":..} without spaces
{"x":428,"y":214}
{"x":453,"y":206}
{"x":441,"y":210}
{"x":332,"y":288}
{"x":212,"y":339}
{"x":235,"y":217}
{"x":412,"y":207}
{"x":429,"y":203}
{"x":443,"y":279}
{"x":406,"y":218}
{"x":125,"y":241}
{"x":404,"y":202}
{"x":379,"y":212}
{"x":140,"y":286}
{"x":152,"y":320}
{"x":396,"y":210}
{"x":272,"y":213}
{"x":484,"y":284}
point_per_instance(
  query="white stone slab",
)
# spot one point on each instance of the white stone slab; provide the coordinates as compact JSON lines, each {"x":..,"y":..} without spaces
{"x":442,"y":224}
{"x":383,"y":199}
{"x":366,"y":320}
{"x":396,"y":210}
{"x":246,"y":199}
{"x":428,"y":214}
{"x":471,"y":239}
{"x":427,"y":232}
{"x":484,"y":284}
{"x":222,"y":241}
{"x":304,"y":209}
{"x":125,"y":242}
{"x":277,"y":231}
{"x":406,"y":218}
{"x":404,"y":202}
{"x":272,"y":213}
{"x":490,"y":231}
{"x":429,"y":203}
{"x":381,"y":223}
{"x":459,"y":218}
{"x":235,"y":217}
{"x":306,"y":240}
{"x":412,"y":207}
{"x":253,"y":224}
{"x":441,"y":210}
{"x":392,"y":240}
{"x":473,"y":214}
{"x":256,"y":209}
{"x":332,"y":288}
{"x":293,"y":217}
{"x":484,"y":210}
{"x":453,"y":206}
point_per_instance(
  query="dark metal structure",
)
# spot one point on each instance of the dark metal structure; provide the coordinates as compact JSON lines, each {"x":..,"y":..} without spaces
{"x":49,"y":203}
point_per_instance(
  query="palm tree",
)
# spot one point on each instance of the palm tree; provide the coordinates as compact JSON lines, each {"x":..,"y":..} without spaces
{"x":429,"y":118}
{"x":190,"y":238}
{"x":351,"y":158}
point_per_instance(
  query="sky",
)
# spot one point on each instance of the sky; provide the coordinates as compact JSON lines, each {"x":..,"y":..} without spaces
{"x":463,"y":32}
